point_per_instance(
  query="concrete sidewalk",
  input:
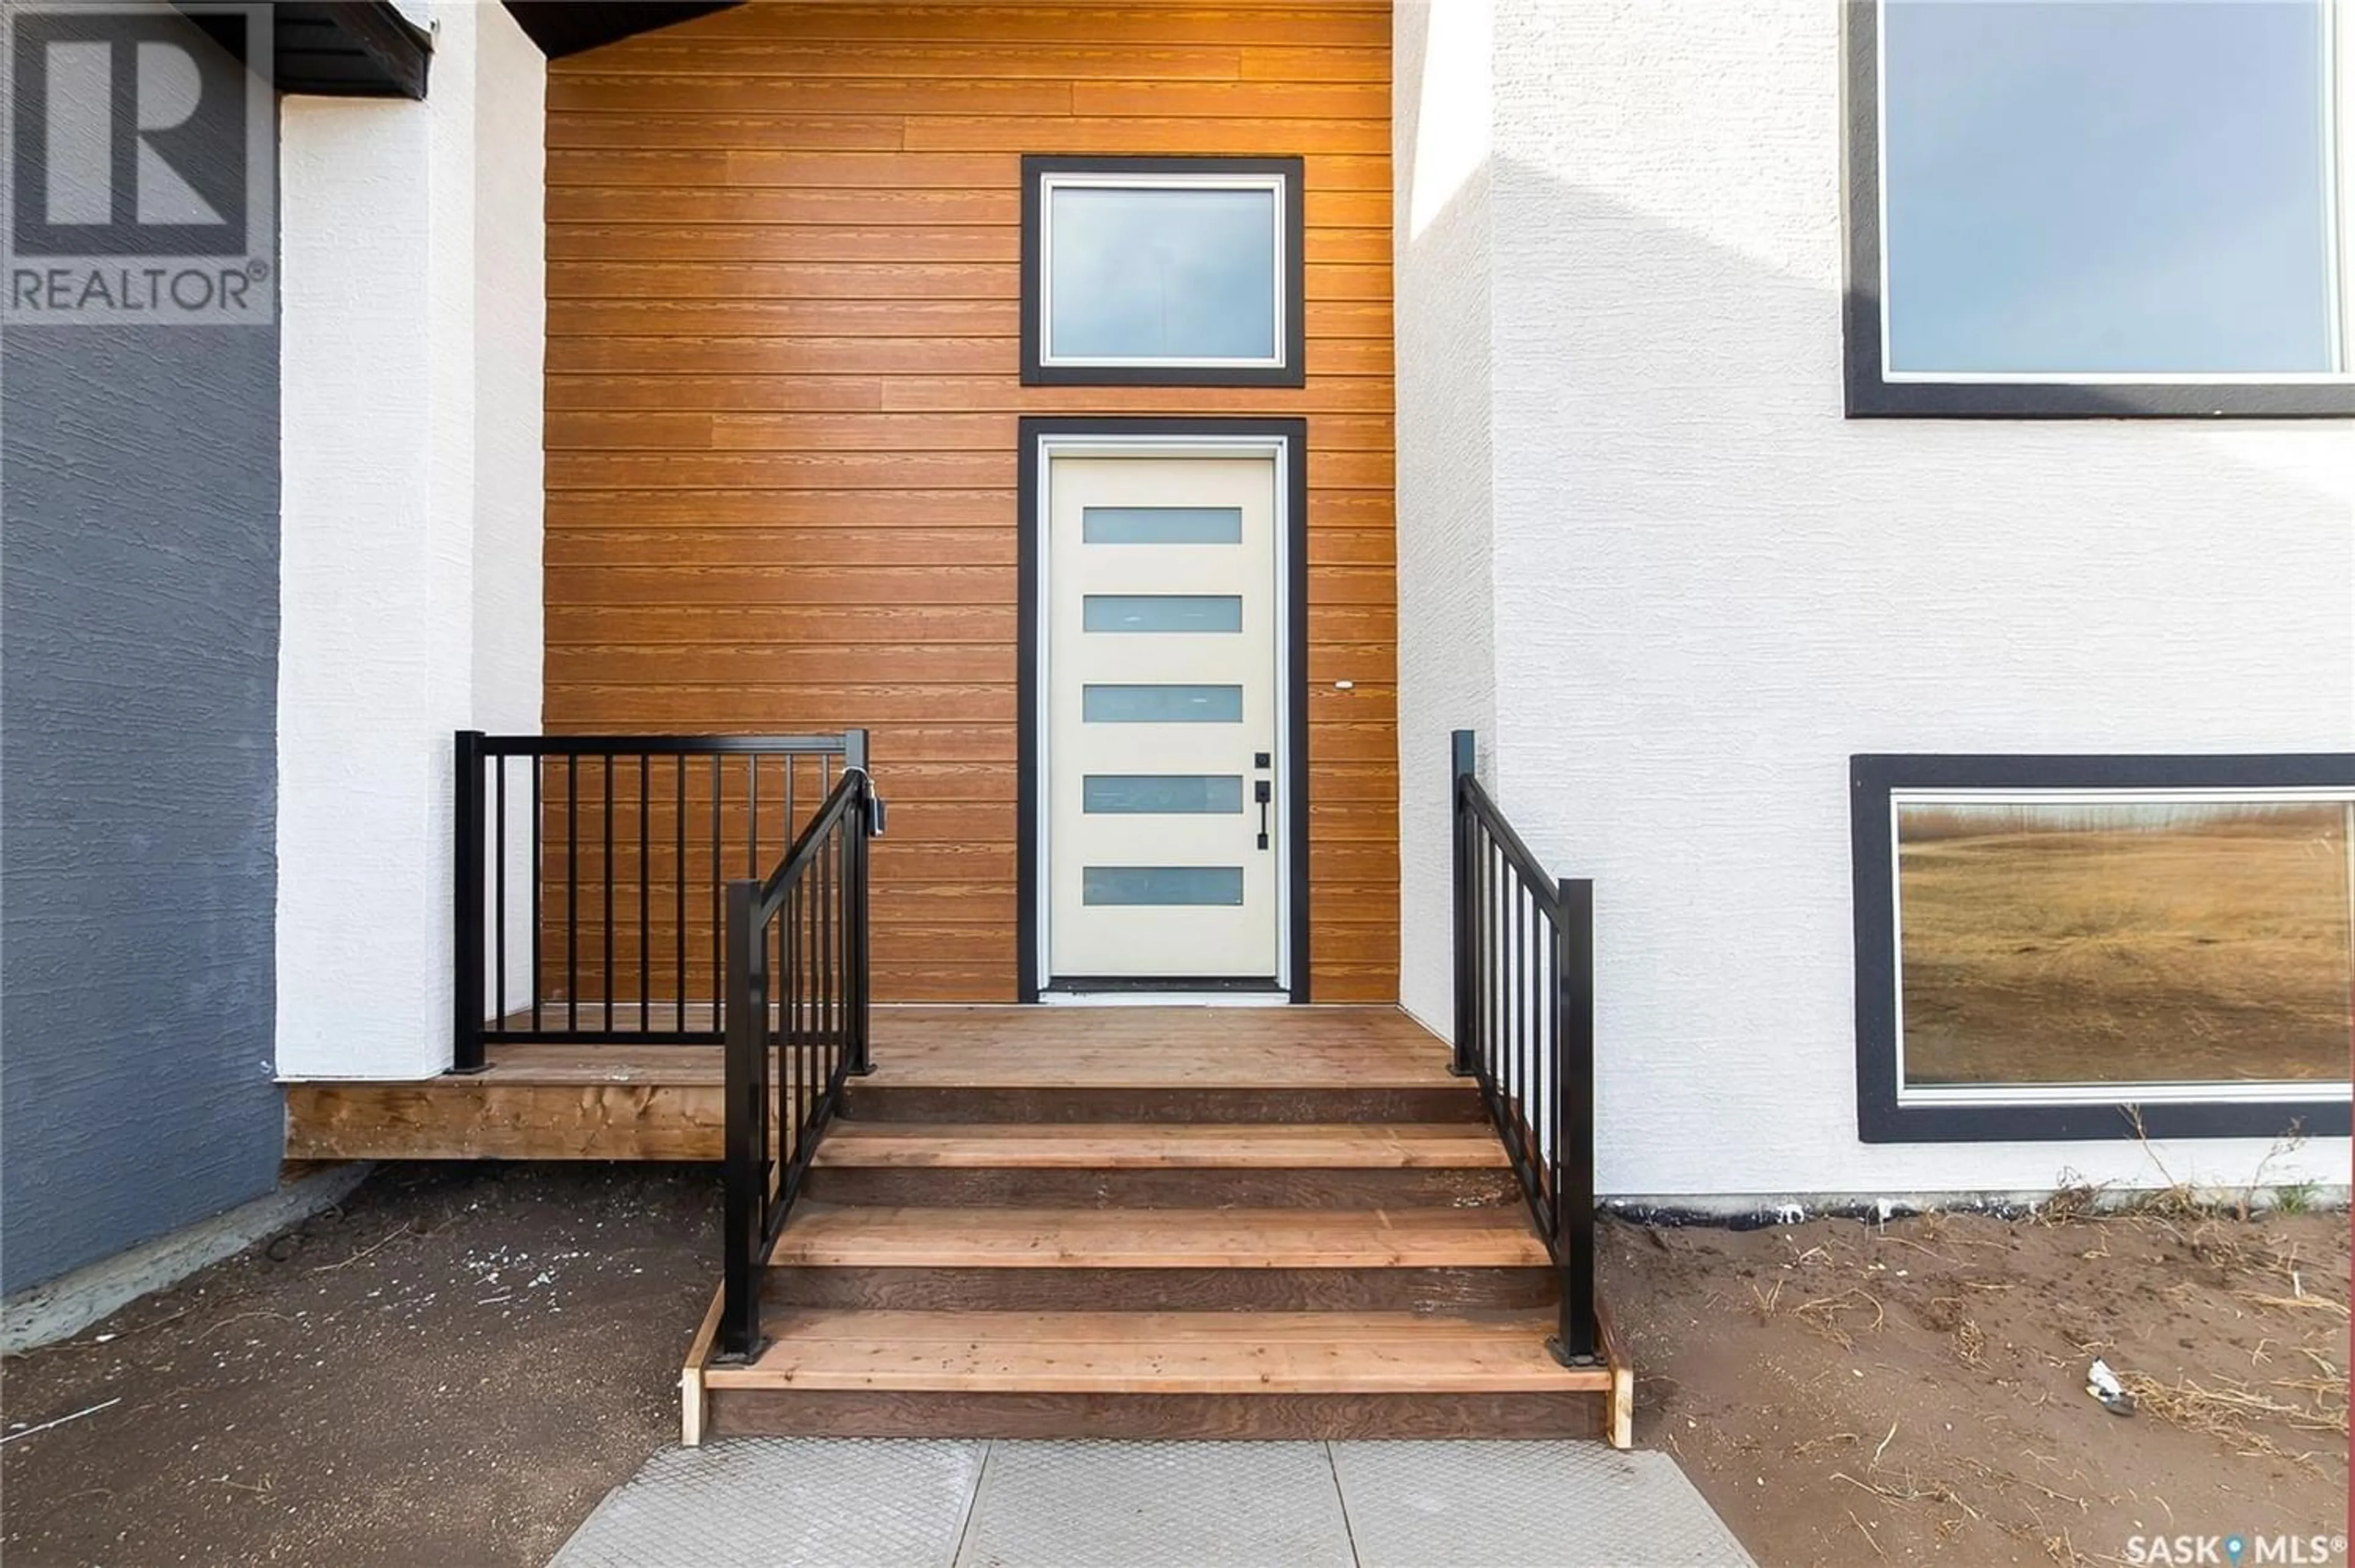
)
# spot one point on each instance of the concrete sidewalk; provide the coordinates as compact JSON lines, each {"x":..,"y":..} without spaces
{"x":807,"y":1502}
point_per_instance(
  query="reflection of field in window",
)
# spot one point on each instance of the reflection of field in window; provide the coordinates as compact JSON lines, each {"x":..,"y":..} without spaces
{"x":2125,"y":943}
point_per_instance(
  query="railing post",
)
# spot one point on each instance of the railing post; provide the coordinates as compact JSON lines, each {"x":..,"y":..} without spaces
{"x":1461,"y":764}
{"x":856,"y":998}
{"x":1573,"y":1154}
{"x":745,"y":1209}
{"x":466,"y":1003}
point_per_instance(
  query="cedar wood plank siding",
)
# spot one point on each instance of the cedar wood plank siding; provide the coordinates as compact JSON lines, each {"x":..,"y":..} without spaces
{"x":783,"y":387}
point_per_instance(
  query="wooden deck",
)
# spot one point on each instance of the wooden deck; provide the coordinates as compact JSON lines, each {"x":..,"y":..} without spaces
{"x":663,"y":1102}
{"x":1143,"y":1221}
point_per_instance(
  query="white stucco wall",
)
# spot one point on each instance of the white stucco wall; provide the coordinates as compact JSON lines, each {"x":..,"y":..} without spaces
{"x":1710,"y":589}
{"x":511,"y":333}
{"x":1446,"y":655}
{"x":410,"y":416}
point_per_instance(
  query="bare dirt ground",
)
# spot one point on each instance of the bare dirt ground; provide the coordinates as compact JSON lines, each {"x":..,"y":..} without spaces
{"x":450,"y":1372}
{"x":1854,"y":1393}
{"x":455,"y":1367}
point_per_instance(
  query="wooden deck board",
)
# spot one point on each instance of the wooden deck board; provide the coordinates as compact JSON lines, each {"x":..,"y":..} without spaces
{"x":1158,"y":1239}
{"x":663,"y":1102}
{"x":1084,"y":1147}
{"x":1156,"y":1352}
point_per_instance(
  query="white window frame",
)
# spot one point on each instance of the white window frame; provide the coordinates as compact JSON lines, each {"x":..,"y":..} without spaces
{"x":2139,"y":1091}
{"x":2105,"y":393}
{"x":1278,"y":271}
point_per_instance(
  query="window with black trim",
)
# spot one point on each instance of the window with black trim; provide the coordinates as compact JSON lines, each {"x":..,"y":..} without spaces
{"x":2067,"y":947}
{"x":1169,"y":271}
{"x":2058,"y":207}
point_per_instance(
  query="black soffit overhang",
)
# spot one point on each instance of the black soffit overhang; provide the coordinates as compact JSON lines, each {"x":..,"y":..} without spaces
{"x":562,"y":27}
{"x":369,"y":49}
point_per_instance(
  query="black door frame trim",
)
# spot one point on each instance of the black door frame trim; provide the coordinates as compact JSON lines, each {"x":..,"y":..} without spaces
{"x":1293,"y":372}
{"x":1871,"y":395}
{"x":1880,"y":1117}
{"x":1028,"y":897}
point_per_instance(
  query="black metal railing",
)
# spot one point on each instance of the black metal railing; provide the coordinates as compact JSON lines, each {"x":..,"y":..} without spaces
{"x":591,"y":869}
{"x":1525,"y":1029}
{"x":796,"y":1022}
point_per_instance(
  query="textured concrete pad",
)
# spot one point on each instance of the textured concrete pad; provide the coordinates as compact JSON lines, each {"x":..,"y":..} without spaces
{"x":815,"y":1502}
{"x":786,"y":1502}
{"x":1525,"y":1505}
{"x":1143,"y":1505}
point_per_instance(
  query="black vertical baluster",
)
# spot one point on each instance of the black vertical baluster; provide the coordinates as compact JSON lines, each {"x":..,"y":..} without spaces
{"x":1553,"y":1016}
{"x":824,"y":933}
{"x":572,"y":892}
{"x":804,"y":916}
{"x":791,"y":827}
{"x":841,"y":859}
{"x":1508,"y":964}
{"x":468,"y":895}
{"x":746,"y":1134}
{"x":538,"y":888}
{"x":1575,"y":1198}
{"x":645,"y":877}
{"x":607,"y":806}
{"x":1478,"y":971}
{"x":1514,"y":1004}
{"x":678,"y":902}
{"x":1527,"y":1077}
{"x":798,"y":974}
{"x":752,"y":814}
{"x":719,"y":879}
{"x":1501,"y":1025}
{"x":1491,"y":909}
{"x":499,"y":898}
{"x":862,"y":1012}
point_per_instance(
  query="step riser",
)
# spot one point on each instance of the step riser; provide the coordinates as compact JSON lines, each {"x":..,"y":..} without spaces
{"x":1176,"y":1187}
{"x":862,"y":1413}
{"x":1162,"y":1289}
{"x":1446,"y":1103}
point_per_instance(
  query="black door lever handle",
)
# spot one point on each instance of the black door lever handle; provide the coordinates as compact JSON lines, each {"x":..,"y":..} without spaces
{"x":1262,"y":792}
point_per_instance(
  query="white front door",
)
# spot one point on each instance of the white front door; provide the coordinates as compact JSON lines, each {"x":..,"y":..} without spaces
{"x":1162,"y":738}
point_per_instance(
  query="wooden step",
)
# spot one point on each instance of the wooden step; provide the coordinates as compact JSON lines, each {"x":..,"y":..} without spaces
{"x":1147,"y":1166}
{"x":1160,"y":1352}
{"x":1155,"y":1374}
{"x":880,"y":1098}
{"x":1176,"y":1289}
{"x":1060,"y":1065}
{"x":899,"y":1372}
{"x":828,"y":1235}
{"x":1272,"y":1146}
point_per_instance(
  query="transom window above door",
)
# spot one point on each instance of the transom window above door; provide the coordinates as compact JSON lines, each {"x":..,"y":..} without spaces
{"x":1172,"y":272}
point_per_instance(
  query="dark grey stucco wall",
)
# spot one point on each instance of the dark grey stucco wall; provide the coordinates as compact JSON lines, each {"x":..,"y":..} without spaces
{"x":138,"y":708}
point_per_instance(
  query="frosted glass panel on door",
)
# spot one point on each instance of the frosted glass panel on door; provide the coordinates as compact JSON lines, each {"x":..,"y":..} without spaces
{"x":1162,"y":885}
{"x":1161,"y":704}
{"x":1177,"y":272}
{"x":1162,"y":612}
{"x":1162,"y":793}
{"x":1161,"y":524}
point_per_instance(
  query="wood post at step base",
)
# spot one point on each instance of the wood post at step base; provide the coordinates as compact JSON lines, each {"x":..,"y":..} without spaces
{"x":1619,"y":1422}
{"x":691,"y":1396}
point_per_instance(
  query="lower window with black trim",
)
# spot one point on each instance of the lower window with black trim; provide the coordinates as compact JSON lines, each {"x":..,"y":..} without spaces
{"x":2097,"y":946}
